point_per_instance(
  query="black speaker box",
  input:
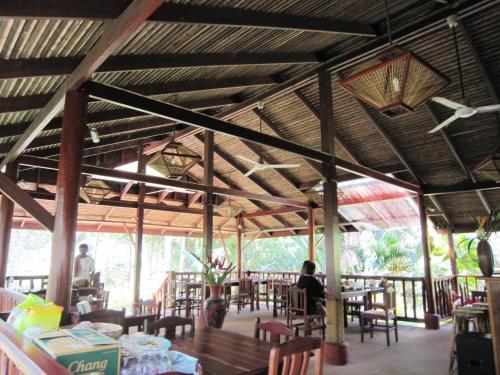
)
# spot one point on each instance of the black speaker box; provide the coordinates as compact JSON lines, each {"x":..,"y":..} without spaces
{"x":475,"y":354}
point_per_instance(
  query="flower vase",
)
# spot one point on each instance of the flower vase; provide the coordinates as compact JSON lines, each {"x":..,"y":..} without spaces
{"x":215,"y":307}
{"x":485,"y":258}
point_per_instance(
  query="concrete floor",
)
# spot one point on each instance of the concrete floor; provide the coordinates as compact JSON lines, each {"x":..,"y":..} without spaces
{"x":418,"y":352}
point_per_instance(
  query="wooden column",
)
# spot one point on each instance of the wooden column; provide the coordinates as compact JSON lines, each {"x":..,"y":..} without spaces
{"x":310,"y":230}
{"x":453,"y":259}
{"x":139,"y":227}
{"x":6,"y":214}
{"x":239,"y":249}
{"x":66,"y":202}
{"x":208,"y":179}
{"x":431,"y":319}
{"x":335,"y":348}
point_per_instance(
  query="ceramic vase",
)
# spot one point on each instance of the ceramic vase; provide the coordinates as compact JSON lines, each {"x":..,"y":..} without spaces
{"x":485,"y":258}
{"x":215,"y":307}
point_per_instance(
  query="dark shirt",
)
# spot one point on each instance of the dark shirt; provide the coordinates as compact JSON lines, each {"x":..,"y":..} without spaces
{"x":314,"y":290}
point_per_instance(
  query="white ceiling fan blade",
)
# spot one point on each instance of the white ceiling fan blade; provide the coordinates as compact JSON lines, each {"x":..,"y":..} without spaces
{"x":444,"y":123}
{"x":247,"y":159}
{"x":253,"y":170}
{"x":447,"y":102}
{"x":488,"y":108}
{"x":283,"y":165}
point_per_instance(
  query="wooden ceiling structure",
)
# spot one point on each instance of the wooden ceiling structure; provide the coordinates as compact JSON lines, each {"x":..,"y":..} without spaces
{"x":145,"y":72}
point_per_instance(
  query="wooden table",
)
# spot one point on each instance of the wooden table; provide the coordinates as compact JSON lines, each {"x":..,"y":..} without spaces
{"x":226,"y":353}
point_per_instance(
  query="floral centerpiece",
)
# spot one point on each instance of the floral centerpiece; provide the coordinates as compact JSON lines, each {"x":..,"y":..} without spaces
{"x":215,"y":272}
{"x":486,"y":226}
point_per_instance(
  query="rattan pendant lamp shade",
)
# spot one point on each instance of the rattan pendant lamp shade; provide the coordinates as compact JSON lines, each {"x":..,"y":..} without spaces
{"x":396,"y":81}
{"x":94,"y":191}
{"x":174,"y":160}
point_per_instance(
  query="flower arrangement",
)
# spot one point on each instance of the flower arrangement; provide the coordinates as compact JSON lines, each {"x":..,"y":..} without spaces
{"x":486,"y":226}
{"x":214,"y":270}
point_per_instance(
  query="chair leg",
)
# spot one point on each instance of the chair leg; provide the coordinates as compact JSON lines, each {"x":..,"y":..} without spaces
{"x":362,"y":330}
{"x":387,"y":332}
{"x":396,"y":329}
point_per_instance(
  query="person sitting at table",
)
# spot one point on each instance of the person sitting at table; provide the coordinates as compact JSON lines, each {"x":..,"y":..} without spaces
{"x":84,"y":264}
{"x":313,"y":287}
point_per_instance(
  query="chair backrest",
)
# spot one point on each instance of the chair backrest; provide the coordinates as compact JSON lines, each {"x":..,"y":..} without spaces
{"x":170,"y":324}
{"x":104,"y":296}
{"x":296,"y":301}
{"x":104,"y":316}
{"x":389,"y":297}
{"x":245,"y":286}
{"x":276,"y":331}
{"x":294,"y":355}
{"x":149,"y":306}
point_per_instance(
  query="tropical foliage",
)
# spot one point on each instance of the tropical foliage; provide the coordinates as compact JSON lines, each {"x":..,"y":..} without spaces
{"x":214,"y":269}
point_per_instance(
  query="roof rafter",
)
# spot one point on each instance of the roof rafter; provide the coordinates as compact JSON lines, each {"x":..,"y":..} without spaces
{"x":20,"y":68}
{"x":183,"y":14}
{"x":30,"y":102}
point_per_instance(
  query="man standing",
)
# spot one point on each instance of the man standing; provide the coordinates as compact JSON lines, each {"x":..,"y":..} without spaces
{"x":84,"y":264}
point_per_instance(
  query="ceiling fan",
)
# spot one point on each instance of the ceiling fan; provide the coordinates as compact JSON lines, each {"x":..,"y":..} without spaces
{"x":261,"y":165}
{"x":462,"y":110}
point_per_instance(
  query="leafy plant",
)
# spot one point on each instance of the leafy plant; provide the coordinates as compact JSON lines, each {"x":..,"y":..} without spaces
{"x":214,"y":270}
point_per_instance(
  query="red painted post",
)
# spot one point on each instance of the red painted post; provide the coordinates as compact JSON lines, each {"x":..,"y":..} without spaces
{"x":68,"y":185}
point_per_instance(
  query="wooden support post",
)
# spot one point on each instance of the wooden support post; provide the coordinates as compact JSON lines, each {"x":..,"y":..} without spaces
{"x":239,"y":247}
{"x":68,"y":185}
{"x":453,"y":259}
{"x":310,"y":229}
{"x":6,"y":214}
{"x":335,"y":347}
{"x":139,"y":227}
{"x":431,"y":318}
{"x":208,"y":179}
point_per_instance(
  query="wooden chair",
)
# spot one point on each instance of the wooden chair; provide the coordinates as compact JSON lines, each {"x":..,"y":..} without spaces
{"x":297,"y":310}
{"x":264,"y":294}
{"x":385,"y":311}
{"x":280,"y":294}
{"x":294,"y":356}
{"x":95,"y":279}
{"x":104,"y":316}
{"x":352,"y":307}
{"x":103,"y":296}
{"x":148,"y":306}
{"x":170,"y":324}
{"x":276,"y":331}
{"x":173,"y":299}
{"x":245,"y":294}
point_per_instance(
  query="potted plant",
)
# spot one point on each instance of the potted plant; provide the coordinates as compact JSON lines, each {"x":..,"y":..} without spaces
{"x":486,"y":226}
{"x":215,"y":272}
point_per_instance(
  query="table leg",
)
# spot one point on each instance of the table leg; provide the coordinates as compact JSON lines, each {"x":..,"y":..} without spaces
{"x":188,"y":303}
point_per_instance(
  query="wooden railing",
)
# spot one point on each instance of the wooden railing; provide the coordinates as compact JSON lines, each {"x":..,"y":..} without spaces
{"x":31,"y":282}
{"x":443,"y":288}
{"x":410,"y":294}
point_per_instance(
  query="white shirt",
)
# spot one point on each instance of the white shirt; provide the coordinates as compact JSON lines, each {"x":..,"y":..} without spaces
{"x":85,"y":268}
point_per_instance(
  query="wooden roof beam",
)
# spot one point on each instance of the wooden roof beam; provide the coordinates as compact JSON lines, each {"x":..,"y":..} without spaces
{"x":184,"y":14}
{"x":21,"y":68}
{"x":114,"y":34}
{"x":462,"y":187}
{"x":10,"y":189}
{"x":30,"y":102}
{"x":130,"y":176}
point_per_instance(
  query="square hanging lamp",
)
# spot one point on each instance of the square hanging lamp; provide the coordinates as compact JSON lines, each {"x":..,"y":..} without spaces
{"x":229,"y":208}
{"x":94,"y":191}
{"x":490,"y":166}
{"x":395,"y":82}
{"x":174,"y":160}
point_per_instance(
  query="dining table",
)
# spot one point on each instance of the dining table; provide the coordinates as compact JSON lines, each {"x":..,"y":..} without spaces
{"x":222,"y":352}
{"x":137,"y":320}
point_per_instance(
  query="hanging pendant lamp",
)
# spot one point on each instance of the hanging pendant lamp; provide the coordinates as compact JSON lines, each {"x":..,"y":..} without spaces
{"x":490,"y":166}
{"x":396,"y":81}
{"x":229,"y":207}
{"x":94,"y":191}
{"x":174,"y":160}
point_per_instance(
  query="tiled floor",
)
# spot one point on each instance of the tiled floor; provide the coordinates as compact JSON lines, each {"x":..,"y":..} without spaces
{"x":418,"y":352}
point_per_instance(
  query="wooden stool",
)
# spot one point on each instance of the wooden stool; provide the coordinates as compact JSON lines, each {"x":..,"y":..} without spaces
{"x":462,"y":318}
